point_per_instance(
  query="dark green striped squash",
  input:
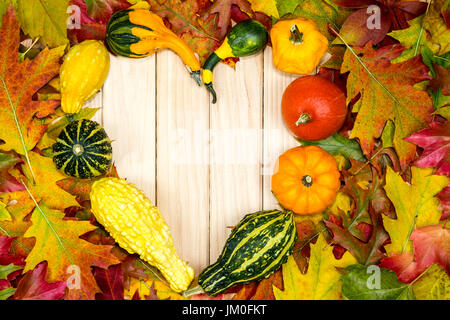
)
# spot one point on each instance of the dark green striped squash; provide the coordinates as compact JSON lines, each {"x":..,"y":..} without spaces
{"x":246,"y":38}
{"x":83,"y":150}
{"x":257,"y":247}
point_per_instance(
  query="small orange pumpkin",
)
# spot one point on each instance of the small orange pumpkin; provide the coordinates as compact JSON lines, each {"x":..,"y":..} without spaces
{"x":306,"y":180}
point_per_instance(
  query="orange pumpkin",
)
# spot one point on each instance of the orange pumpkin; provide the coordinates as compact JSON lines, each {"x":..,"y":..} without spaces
{"x":306,"y":180}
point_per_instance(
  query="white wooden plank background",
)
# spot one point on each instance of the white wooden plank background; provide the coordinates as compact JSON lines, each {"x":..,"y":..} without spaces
{"x":205,"y":165}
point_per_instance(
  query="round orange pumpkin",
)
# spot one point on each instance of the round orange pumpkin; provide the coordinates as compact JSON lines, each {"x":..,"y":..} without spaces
{"x":313,"y":108}
{"x":306,"y":180}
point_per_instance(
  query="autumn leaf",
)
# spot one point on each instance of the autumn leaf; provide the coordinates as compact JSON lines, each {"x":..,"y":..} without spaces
{"x":387,"y":93}
{"x":46,"y":19}
{"x":102,"y":10}
{"x":374,"y":283}
{"x":185,"y":19}
{"x":6,"y":256}
{"x":286,"y":7}
{"x":152,"y":289}
{"x":361,"y":231}
{"x":324,"y":14}
{"x":110,"y":283}
{"x":94,"y":16}
{"x":365,"y":252}
{"x":268,"y":7}
{"x":45,"y":188}
{"x":432,"y":245}
{"x":433,"y":284}
{"x":426,"y":32}
{"x":322,"y":280}
{"x":21,"y":127}
{"x":441,"y":81}
{"x":444,"y":197}
{"x":403,"y":265}
{"x":223,"y":10}
{"x":436,"y":144}
{"x":58,"y":242}
{"x":338,"y":145}
{"x":6,"y":270}
{"x":7,"y":182}
{"x":419,"y":208}
{"x":356,"y":32}
{"x":34,"y":287}
{"x":19,"y":205}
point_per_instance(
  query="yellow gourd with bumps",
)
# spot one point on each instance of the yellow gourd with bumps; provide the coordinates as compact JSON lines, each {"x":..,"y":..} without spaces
{"x":138,"y":227}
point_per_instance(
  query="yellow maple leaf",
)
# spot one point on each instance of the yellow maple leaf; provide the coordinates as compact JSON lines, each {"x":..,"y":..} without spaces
{"x":322,"y":281}
{"x":414,"y":203}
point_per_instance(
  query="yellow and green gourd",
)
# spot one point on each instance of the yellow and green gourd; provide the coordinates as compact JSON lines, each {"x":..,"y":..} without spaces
{"x":83,"y":150}
{"x":257,"y":247}
{"x":83,"y":74}
{"x":138,"y":227}
{"x":246,"y":38}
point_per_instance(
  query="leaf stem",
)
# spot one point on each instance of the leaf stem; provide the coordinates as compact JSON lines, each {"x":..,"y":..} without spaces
{"x":417,"y":45}
{"x":38,"y":207}
{"x":22,"y":55}
{"x":365,"y":67}
{"x":13,"y":109}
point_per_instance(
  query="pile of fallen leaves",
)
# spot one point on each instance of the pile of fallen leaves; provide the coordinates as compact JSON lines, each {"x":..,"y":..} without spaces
{"x":385,"y":237}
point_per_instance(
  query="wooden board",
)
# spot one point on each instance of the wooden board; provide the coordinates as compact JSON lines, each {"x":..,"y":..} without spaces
{"x":205,"y":165}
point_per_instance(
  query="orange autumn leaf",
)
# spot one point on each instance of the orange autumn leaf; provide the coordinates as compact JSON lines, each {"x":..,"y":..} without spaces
{"x":19,"y":205}
{"x":20,"y":125}
{"x":387,"y":93}
{"x":45,"y":188}
{"x":69,"y":257}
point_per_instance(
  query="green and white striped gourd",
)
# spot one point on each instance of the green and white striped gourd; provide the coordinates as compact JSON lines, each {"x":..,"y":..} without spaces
{"x":257,"y":247}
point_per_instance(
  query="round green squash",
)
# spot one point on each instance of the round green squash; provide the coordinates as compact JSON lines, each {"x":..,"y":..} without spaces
{"x":248,"y":37}
{"x":83,"y":150}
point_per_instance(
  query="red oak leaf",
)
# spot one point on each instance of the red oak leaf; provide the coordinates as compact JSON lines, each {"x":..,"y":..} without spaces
{"x":436,"y":144}
{"x":34,"y":287}
{"x":110,"y":282}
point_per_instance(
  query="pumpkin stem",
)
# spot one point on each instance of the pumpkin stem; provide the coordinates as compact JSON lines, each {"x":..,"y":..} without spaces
{"x":296,"y":36}
{"x":307,"y":181}
{"x":303,"y":119}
